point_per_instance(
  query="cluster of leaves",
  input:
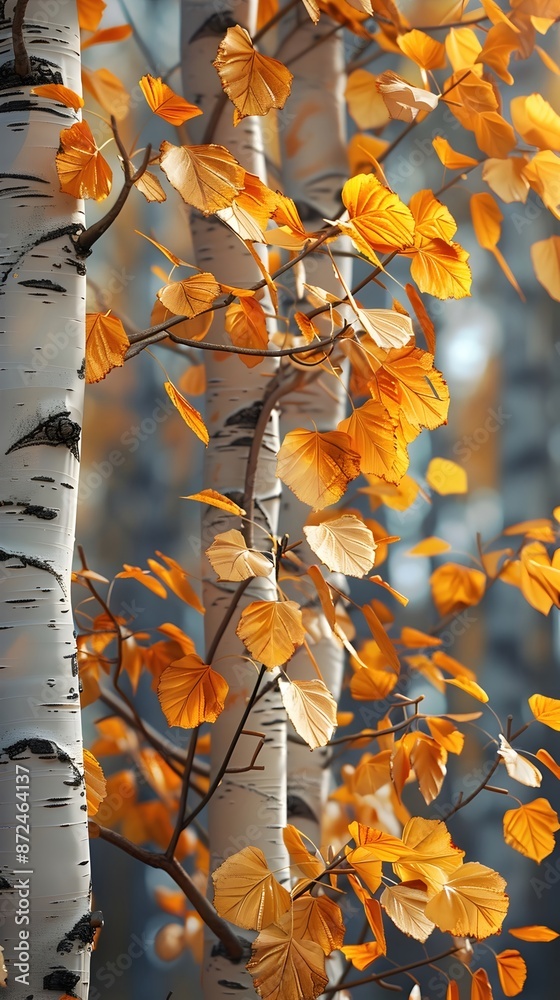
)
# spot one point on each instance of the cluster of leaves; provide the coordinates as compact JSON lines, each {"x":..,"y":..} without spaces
{"x":396,"y":391}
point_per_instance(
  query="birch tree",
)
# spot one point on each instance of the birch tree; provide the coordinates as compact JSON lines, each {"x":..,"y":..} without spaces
{"x":45,"y":877}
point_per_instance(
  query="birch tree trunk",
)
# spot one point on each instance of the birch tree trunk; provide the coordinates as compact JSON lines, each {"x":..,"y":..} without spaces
{"x":44,"y":857}
{"x":248,"y":808}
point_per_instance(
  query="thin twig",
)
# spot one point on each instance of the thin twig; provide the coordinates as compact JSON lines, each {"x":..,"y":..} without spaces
{"x":184,"y":794}
{"x":22,"y":63}
{"x":393,"y":972}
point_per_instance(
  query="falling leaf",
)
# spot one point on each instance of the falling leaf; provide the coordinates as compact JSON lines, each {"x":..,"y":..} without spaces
{"x":82,"y":170}
{"x":62,"y":95}
{"x":96,"y":787}
{"x":106,"y":345}
{"x":190,"y":415}
{"x":246,"y":892}
{"x":518,"y":767}
{"x":190,"y":692}
{"x":317,"y":466}
{"x":207,"y":177}
{"x":115,"y":34}
{"x":284,"y":967}
{"x":455,"y":587}
{"x":191,"y":296}
{"x":165,"y":102}
{"x":545,"y":255}
{"x":90,"y":13}
{"x":530,"y":829}
{"x":342,"y":542}
{"x":512,"y":972}
{"x":471,"y":904}
{"x":108,"y":90}
{"x":446,"y":477}
{"x":406,"y":905}
{"x":431,"y":546}
{"x":254,"y":83}
{"x":311,"y":709}
{"x":232,"y":560}
{"x":449,"y":157}
{"x":271,"y":630}
{"x":215,"y":499}
{"x":404,"y":101}
{"x":534,"y":932}
{"x":546,"y":710}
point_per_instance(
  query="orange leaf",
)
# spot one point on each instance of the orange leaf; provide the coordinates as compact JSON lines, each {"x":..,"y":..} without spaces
{"x":284,"y":967}
{"x":543,"y":174}
{"x":449,"y":157}
{"x":372,"y":432}
{"x":433,"y":855}
{"x":62,"y":95}
{"x":530,"y":829}
{"x":446,"y":477}
{"x":108,"y":91}
{"x":271,"y":630}
{"x":190,"y":415}
{"x":191,"y":296}
{"x":546,"y":710}
{"x":175,"y":578}
{"x":441,"y":269}
{"x":207,"y":177}
{"x":317,"y":466}
{"x":90,"y":13}
{"x":480,"y":986}
{"x":342,"y":542}
{"x":106,"y":345}
{"x":472,"y":903}
{"x":142,"y":576}
{"x":512,"y":972}
{"x":455,"y":587}
{"x":431,"y":546}
{"x":245,"y":323}
{"x":215,"y":499}
{"x":424,"y":50}
{"x":82,"y":170}
{"x":469,"y":687}
{"x":548,"y":761}
{"x":150,"y":186}
{"x":446,"y":733}
{"x":115,"y":34}
{"x":381,"y":637}
{"x":424,"y":319}
{"x":545,"y":255}
{"x":191,"y":692}
{"x":536,"y":121}
{"x":379,"y":220}
{"x":165,"y":102}
{"x":96,"y":788}
{"x":309,"y":864}
{"x":319,"y":919}
{"x":364,"y":101}
{"x":533,"y":932}
{"x":246,"y":892}
{"x":232,"y":560}
{"x":253,"y":82}
{"x":506,"y":178}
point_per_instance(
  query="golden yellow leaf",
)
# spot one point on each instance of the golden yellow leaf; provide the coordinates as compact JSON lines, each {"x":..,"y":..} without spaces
{"x":317,"y":466}
{"x":381,"y":637}
{"x":370,"y":684}
{"x":518,"y":767}
{"x":412,"y":389}
{"x":246,"y":325}
{"x":462,"y":47}
{"x":446,"y":477}
{"x":90,"y":13}
{"x":413,"y":638}
{"x":285,"y":968}
{"x":312,"y":8}
{"x":507,"y":178}
{"x":428,"y":758}
{"x":254,"y":83}
{"x":372,"y":772}
{"x":480,"y":986}
{"x":190,"y":296}
{"x":193,"y":380}
{"x":82,"y":171}
{"x":545,"y":255}
{"x":165,"y":102}
{"x":232,"y":560}
{"x":96,"y":786}
{"x":309,"y":864}
{"x":493,"y":134}
{"x":106,"y":345}
{"x":57,"y":92}
{"x":403,"y":101}
{"x":535,"y":120}
{"x":472,"y":903}
{"x":271,"y":630}
{"x":549,"y":762}
{"x":311,"y":709}
{"x":342,"y":542}
{"x":215,"y":499}
{"x":175,"y":577}
{"x":434,"y":856}
{"x":499,"y":44}
{"x":546,"y":710}
{"x":469,"y":687}
{"x":423,"y":317}
{"x":190,"y":415}
{"x":108,"y":91}
{"x":372,"y":431}
{"x":424,"y":50}
{"x":449,"y":157}
{"x":247,"y":893}
{"x":533,"y":932}
{"x":441,"y":269}
{"x":363,"y":152}
{"x":142,"y":576}
{"x":382,"y":846}
{"x":433,"y":220}
{"x":455,"y":587}
{"x":530,"y":829}
{"x":319,"y":919}
{"x":446,"y":733}
{"x":431,"y":546}
{"x":364,"y":101}
{"x":386,"y":327}
{"x":207,"y":177}
{"x":367,"y":866}
{"x":150,"y":186}
{"x":191,"y":692}
{"x":406,"y":905}
{"x":379,"y":220}
{"x":512,"y":972}
{"x":362,"y":955}
{"x":543,"y":174}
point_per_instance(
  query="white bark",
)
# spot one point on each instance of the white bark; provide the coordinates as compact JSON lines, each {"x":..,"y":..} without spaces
{"x":42,"y":295}
{"x":248,"y":808}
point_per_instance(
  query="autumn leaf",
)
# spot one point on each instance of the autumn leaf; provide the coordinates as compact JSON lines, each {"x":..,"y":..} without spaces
{"x":311,"y":709}
{"x":480,"y":986}
{"x":372,"y":431}
{"x":215,"y":499}
{"x":364,"y":101}
{"x":530,"y":829}
{"x":96,"y":787}
{"x":190,"y":415}
{"x":434,"y":856}
{"x":379,"y":220}
{"x":165,"y":102}
{"x":446,"y":477}
{"x":309,"y":864}
{"x":535,"y":120}
{"x":117,"y":33}
{"x":342,"y":542}
{"x":232,"y":560}
{"x":406,"y":905}
{"x":546,"y":710}
{"x":424,"y":50}
{"x":106,"y":345}
{"x":545,"y":255}
{"x":512,"y":972}
{"x":407,"y":377}
{"x":431,"y":546}
{"x":142,"y":576}
{"x":472,"y":903}
{"x":190,"y":692}
{"x":440,"y":269}
{"x":108,"y":90}
{"x":245,"y":322}
{"x":518,"y":767}
{"x":62,"y":95}
{"x":403,"y":101}
{"x":207,"y":177}
{"x":247,"y":893}
{"x":271,"y":630}
{"x":449,"y":157}
{"x":318,"y":919}
{"x":284,"y":967}
{"x":455,"y":587}
{"x":428,"y":758}
{"x":469,"y":687}
{"x":175,"y":577}
{"x":549,"y":762}
{"x":317,"y":466}
{"x":150,"y":186}
{"x":254,"y":83}
{"x":82,"y":171}
{"x":534,"y":932}
{"x":90,"y":13}
{"x":190,"y":296}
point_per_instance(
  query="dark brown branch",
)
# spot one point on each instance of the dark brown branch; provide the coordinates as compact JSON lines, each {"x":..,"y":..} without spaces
{"x":463,"y":802}
{"x":184,"y":795}
{"x":204,"y":908}
{"x":89,"y":236}
{"x":393,"y":972}
{"x":22,"y":64}
{"x":138,"y":343}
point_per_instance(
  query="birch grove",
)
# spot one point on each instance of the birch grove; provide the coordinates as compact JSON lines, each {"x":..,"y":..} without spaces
{"x":286,"y":764}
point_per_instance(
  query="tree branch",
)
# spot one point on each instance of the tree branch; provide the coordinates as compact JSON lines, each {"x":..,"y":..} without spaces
{"x":22,"y":64}
{"x":393,"y":972}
